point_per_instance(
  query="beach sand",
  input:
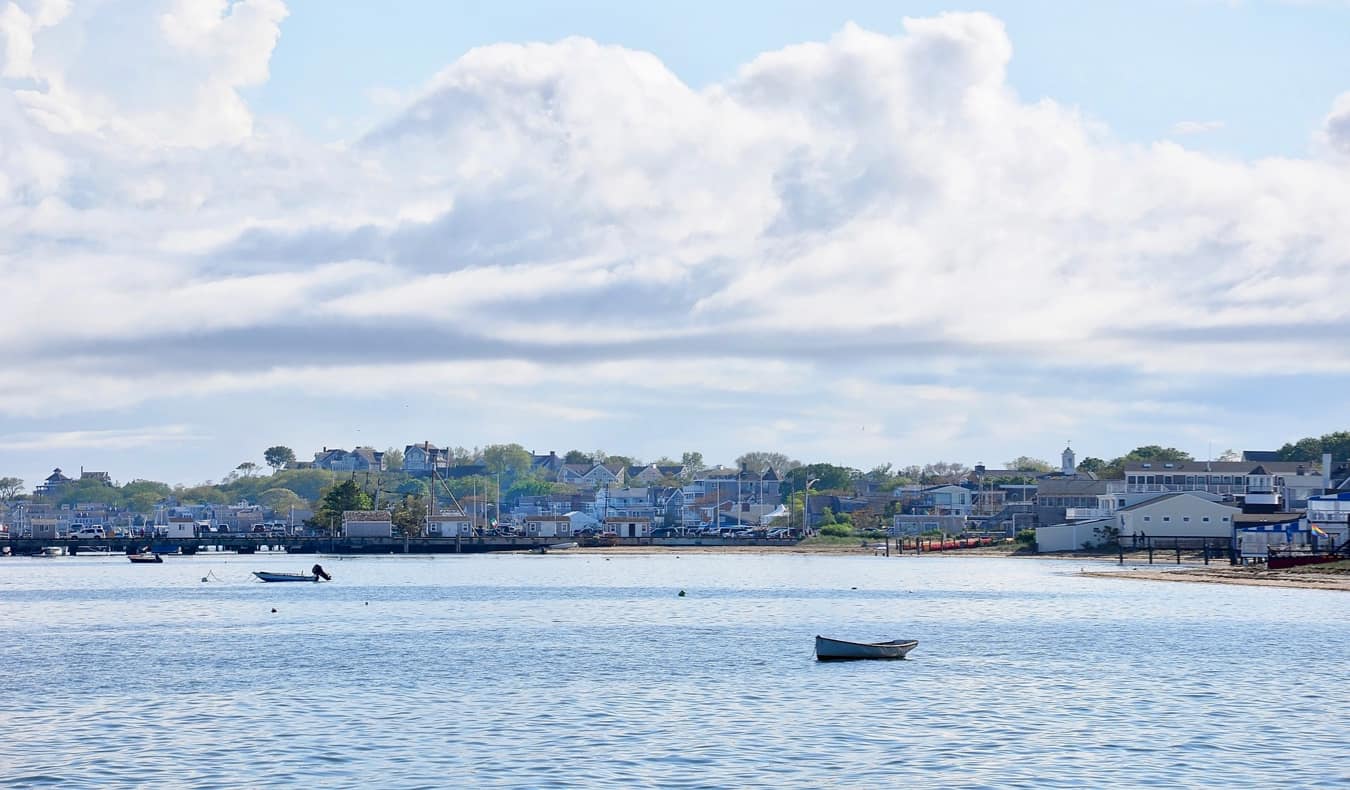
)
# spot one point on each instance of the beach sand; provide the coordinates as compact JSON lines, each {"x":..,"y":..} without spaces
{"x":1250,"y":575}
{"x":1189,"y":571}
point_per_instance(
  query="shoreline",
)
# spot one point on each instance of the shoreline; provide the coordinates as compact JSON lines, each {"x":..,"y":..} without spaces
{"x":1191,"y":570}
{"x":1244,"y":577}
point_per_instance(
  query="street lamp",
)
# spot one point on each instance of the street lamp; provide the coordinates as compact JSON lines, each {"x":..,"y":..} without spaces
{"x":806,"y":502}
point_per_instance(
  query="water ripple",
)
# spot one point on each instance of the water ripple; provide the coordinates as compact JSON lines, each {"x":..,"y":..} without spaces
{"x":542,"y":672}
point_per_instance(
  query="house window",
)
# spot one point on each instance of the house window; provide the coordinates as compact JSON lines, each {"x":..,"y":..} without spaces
{"x":1185,"y":518}
{"x":1167,"y":518}
{"x":1206,"y":518}
{"x":1225,"y":518}
{"x":1146,"y":518}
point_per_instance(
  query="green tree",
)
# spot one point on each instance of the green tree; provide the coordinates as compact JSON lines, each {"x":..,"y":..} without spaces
{"x":10,"y":488}
{"x":412,"y":487}
{"x":576,"y":457}
{"x":278,"y":457}
{"x":760,"y":460}
{"x":89,"y":490}
{"x":141,"y":496}
{"x":508,"y":460}
{"x":1025,"y":463}
{"x":1151,"y":453}
{"x":204,"y":494}
{"x":527,"y":486}
{"x":410,"y":516}
{"x":692,"y":460}
{"x":281,"y":500}
{"x":828,"y":477}
{"x":393,"y":459}
{"x":338,"y":499}
{"x":943,"y":472}
{"x":1091,"y":464}
{"x":247,"y":468}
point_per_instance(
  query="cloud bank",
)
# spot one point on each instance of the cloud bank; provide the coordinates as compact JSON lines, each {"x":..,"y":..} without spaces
{"x":882,"y":210}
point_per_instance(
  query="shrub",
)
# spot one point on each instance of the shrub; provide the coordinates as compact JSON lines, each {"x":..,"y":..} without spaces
{"x":836,"y":531}
{"x":1027,"y":537}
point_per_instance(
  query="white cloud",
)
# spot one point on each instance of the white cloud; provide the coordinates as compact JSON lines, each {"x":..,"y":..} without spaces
{"x":1337,"y":127}
{"x":572,"y":214}
{"x":100,"y":439}
{"x":1196,"y":127}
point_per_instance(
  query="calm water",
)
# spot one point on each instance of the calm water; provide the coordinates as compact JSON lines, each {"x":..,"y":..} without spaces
{"x":577,"y":670}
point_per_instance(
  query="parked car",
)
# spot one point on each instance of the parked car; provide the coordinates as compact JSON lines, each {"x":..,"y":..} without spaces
{"x":89,"y":533}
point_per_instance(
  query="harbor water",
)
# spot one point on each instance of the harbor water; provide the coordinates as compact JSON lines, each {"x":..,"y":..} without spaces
{"x":585,"y":670}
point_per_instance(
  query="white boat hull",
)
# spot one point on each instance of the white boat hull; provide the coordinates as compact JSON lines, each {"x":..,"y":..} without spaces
{"x":840,"y":650}
{"x":268,"y":576}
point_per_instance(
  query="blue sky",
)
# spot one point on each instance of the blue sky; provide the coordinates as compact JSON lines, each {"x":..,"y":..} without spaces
{"x":855,"y":232}
{"x":1267,"y":70}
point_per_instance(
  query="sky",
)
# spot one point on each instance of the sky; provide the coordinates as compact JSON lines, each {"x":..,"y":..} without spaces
{"x":852,"y":232}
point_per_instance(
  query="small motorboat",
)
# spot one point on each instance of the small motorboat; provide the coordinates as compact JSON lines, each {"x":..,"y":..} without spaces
{"x":143,"y":557}
{"x":317,"y":573}
{"x":840,"y":650}
{"x":269,"y":576}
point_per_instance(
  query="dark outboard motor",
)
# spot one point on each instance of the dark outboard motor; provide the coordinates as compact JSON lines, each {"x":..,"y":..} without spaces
{"x":320,"y":573}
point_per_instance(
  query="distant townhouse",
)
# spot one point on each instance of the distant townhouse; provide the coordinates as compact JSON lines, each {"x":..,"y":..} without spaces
{"x":546,"y":467}
{"x":360,"y":459}
{"x":1059,"y":497}
{"x":423,"y":459}
{"x":548,"y":504}
{"x":625,"y":502}
{"x":592,"y":475}
{"x":654,"y":473}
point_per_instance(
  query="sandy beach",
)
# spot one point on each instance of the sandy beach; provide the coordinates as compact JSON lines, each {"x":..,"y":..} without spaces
{"x":1334,"y":577}
{"x":1252,"y":576}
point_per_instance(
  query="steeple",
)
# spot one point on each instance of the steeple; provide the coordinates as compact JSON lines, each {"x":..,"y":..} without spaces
{"x":1067,"y":465}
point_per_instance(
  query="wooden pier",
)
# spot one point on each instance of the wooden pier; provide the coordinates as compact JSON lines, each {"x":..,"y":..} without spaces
{"x":309,"y":544}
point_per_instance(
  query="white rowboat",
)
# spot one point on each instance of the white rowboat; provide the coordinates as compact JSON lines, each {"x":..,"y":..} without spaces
{"x":268,"y":576}
{"x":840,"y":650}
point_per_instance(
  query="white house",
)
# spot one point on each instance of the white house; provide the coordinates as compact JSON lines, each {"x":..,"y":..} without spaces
{"x":1177,"y":515}
{"x":947,"y":500}
{"x":1072,"y":537}
{"x":367,"y":524}
{"x":449,"y":525}
{"x":548,"y":526}
{"x":632,"y":527}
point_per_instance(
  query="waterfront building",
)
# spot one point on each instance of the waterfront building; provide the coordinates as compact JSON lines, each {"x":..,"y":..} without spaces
{"x":367,"y":524}
{"x":1293,"y":480}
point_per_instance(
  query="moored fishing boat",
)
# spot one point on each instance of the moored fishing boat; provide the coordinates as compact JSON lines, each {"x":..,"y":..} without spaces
{"x":154,"y":557}
{"x":841,"y":650}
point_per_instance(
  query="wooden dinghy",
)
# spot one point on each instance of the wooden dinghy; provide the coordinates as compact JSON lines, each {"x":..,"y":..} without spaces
{"x":841,"y":650}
